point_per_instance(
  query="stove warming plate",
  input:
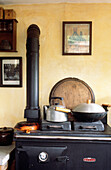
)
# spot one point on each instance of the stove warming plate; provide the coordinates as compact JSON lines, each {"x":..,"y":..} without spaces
{"x":53,"y":126}
{"x":88,"y":126}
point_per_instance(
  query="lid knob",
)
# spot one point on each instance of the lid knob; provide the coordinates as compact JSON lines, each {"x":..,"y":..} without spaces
{"x":88,"y":101}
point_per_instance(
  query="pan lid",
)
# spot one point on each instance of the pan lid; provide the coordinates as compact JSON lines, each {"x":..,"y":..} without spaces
{"x":6,"y":130}
{"x":89,"y":108}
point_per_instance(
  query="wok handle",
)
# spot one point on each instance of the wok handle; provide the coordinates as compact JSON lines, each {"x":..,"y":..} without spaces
{"x":105,"y":106}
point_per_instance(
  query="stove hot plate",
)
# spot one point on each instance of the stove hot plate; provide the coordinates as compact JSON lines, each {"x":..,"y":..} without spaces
{"x":88,"y":126}
{"x":55,"y":126}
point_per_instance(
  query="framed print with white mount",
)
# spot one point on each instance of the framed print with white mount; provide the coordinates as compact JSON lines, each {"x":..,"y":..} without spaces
{"x":11,"y":71}
{"x":77,"y":38}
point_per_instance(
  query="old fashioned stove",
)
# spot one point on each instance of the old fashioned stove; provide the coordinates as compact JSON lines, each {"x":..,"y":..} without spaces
{"x":66,"y":145}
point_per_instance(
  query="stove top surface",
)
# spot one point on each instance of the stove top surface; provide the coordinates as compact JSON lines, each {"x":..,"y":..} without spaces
{"x":68,"y":131}
{"x":39,"y":133}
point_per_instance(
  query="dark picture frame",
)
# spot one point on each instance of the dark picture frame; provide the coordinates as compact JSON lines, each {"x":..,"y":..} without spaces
{"x":77,"y":37}
{"x":11,"y":72}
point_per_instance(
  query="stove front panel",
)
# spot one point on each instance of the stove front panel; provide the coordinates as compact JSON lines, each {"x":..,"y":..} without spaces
{"x":61,"y":154}
{"x":33,"y":157}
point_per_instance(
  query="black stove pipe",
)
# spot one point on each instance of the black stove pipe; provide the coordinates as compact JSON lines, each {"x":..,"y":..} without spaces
{"x":32,"y":111}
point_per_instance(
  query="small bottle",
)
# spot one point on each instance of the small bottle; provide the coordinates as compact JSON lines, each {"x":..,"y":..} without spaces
{"x":10,"y":26}
{"x":4,"y":26}
{"x":0,"y":26}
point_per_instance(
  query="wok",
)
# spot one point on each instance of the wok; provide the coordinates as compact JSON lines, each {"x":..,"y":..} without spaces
{"x":87,"y":112}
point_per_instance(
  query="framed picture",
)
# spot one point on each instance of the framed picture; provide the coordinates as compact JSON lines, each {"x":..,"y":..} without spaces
{"x":11,"y":71}
{"x":77,"y":37}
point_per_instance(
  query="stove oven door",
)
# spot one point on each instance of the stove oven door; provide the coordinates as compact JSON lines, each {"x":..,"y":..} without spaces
{"x":89,"y":156}
{"x":32,"y":157}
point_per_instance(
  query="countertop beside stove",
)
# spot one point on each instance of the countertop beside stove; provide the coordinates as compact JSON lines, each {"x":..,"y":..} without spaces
{"x":5,"y":153}
{"x":74,"y":135}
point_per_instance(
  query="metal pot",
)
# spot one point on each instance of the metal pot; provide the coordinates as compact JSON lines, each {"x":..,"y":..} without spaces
{"x":27,"y":126}
{"x":6,"y":136}
{"x":56,"y":116}
{"x":89,"y":112}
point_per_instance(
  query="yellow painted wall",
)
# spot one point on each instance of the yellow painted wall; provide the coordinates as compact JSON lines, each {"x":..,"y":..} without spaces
{"x":94,"y":69}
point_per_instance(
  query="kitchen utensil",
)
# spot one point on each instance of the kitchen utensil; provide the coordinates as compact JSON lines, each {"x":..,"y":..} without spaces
{"x":6,"y":136}
{"x":56,"y":116}
{"x":74,"y":91}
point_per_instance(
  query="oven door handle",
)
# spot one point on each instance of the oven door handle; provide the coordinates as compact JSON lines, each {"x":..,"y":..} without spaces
{"x":20,"y":150}
{"x":62,"y":158}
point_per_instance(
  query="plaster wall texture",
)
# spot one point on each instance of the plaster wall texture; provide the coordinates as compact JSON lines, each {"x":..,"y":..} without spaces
{"x":94,"y":69}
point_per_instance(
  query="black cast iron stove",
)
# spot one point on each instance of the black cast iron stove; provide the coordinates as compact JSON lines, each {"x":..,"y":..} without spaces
{"x":39,"y":147}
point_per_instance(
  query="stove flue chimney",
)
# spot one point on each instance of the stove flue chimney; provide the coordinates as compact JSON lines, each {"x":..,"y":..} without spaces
{"x":32,"y":111}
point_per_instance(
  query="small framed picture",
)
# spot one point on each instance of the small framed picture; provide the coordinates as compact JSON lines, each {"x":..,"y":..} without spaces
{"x":11,"y":71}
{"x":77,"y":37}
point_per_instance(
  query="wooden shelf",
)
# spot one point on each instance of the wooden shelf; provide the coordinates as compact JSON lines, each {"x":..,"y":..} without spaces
{"x":8,"y":50}
{"x":8,"y":31}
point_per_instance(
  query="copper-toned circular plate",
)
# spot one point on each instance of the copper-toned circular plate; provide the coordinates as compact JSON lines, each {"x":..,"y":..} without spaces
{"x":74,"y":91}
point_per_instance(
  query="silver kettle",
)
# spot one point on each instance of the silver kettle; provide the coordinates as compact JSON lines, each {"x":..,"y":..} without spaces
{"x":56,"y":116}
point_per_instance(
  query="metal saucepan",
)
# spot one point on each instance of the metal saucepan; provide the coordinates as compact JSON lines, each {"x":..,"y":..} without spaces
{"x":26,"y":127}
{"x":6,"y":136}
{"x":87,"y":112}
{"x":56,"y":116}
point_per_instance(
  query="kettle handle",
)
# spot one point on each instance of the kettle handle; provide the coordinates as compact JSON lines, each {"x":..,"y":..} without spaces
{"x":60,"y":98}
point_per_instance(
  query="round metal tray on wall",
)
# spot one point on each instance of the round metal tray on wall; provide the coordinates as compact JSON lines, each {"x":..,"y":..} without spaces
{"x":74,"y":91}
